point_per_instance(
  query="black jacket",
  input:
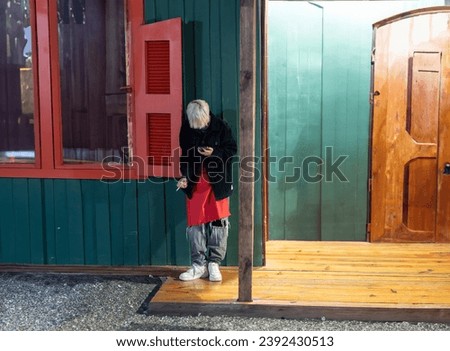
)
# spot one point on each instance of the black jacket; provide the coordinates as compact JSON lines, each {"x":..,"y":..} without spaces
{"x":218,"y":166}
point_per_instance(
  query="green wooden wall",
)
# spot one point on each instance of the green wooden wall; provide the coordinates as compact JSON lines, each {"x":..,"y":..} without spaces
{"x":319,"y":84}
{"x":88,"y":222}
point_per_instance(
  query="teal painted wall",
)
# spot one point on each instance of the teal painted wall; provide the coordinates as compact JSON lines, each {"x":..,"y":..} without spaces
{"x":88,"y":222}
{"x":319,"y":84}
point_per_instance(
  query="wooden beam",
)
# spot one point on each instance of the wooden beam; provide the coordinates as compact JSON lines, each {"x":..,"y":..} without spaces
{"x":285,"y":311}
{"x":247,"y":112}
{"x":157,"y":271}
{"x":264,"y":126}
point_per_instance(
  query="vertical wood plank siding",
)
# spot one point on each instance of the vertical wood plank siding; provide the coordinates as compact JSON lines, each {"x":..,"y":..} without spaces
{"x":88,"y":222}
{"x":295,"y":123}
{"x":319,"y":84}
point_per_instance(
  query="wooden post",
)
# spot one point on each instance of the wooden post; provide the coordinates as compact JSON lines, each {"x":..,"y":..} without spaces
{"x":264,"y":125}
{"x":247,"y":146}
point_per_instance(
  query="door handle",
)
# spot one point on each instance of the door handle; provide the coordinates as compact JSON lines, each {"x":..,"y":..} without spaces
{"x":447,"y":168}
{"x":126,"y":89}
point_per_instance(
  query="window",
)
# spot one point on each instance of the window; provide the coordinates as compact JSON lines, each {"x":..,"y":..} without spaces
{"x":17,"y":141}
{"x":91,"y":55}
{"x":105,"y":99}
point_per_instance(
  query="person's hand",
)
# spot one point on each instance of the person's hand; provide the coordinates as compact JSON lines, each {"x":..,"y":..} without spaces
{"x":205,"y":150}
{"x":182,"y":183}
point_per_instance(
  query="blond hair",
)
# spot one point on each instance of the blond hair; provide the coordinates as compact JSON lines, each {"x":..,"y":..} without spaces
{"x":198,"y":114}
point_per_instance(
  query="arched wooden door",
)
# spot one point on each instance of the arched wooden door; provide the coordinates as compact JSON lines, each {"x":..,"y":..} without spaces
{"x":410,"y":192}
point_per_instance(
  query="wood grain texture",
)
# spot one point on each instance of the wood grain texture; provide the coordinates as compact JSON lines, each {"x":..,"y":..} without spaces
{"x":341,"y":280}
{"x":443,"y":181}
{"x":277,"y":310}
{"x":247,"y":112}
{"x":409,"y":200}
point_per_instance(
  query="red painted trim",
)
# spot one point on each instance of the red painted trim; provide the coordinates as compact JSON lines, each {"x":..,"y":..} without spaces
{"x":55,"y":83}
{"x":108,"y":174}
{"x":19,"y":167}
{"x":35,"y":67}
{"x":135,"y":13}
{"x":135,"y":18}
{"x":45,"y":131}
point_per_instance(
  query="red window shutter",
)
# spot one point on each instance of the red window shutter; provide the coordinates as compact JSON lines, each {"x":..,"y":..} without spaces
{"x":157,"y":54}
{"x":156,"y":71}
{"x":159,"y":139}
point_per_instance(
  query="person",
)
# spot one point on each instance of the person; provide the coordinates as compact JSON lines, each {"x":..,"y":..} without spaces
{"x":207,"y":147}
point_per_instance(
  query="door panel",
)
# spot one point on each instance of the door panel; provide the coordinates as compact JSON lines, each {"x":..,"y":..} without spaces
{"x":419,"y":191}
{"x":410,"y":128}
{"x":419,"y":195}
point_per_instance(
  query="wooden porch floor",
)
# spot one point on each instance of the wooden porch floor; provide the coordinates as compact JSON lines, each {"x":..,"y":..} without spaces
{"x":335,"y":280}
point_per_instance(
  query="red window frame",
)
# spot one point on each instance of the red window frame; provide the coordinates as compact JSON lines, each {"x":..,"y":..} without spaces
{"x":47,"y":115}
{"x":8,"y":169}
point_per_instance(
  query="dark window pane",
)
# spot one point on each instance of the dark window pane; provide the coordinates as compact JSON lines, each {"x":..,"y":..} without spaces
{"x":16,"y":83}
{"x":92,"y":68}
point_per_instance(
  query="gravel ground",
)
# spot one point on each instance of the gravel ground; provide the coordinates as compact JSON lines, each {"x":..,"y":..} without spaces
{"x":80,"y":302}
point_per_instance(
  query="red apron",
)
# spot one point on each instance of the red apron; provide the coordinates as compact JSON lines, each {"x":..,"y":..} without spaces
{"x":203,"y":207}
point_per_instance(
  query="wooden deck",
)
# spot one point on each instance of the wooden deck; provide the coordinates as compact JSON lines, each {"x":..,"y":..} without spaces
{"x":334,"y":280}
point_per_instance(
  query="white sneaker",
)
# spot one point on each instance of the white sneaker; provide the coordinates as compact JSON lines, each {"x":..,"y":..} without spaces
{"x":214,"y":272}
{"x":195,"y":272}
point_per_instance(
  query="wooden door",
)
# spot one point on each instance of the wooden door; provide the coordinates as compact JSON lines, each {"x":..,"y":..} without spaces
{"x":410,"y":199}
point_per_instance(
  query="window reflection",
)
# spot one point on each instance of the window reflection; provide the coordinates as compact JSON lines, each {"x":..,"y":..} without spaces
{"x":92,"y":71}
{"x":16,"y":83}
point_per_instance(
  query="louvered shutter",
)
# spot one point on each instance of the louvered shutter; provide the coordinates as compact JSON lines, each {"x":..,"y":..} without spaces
{"x":157,"y":91}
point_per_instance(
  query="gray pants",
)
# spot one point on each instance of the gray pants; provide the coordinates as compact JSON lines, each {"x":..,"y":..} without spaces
{"x":208,"y":242}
